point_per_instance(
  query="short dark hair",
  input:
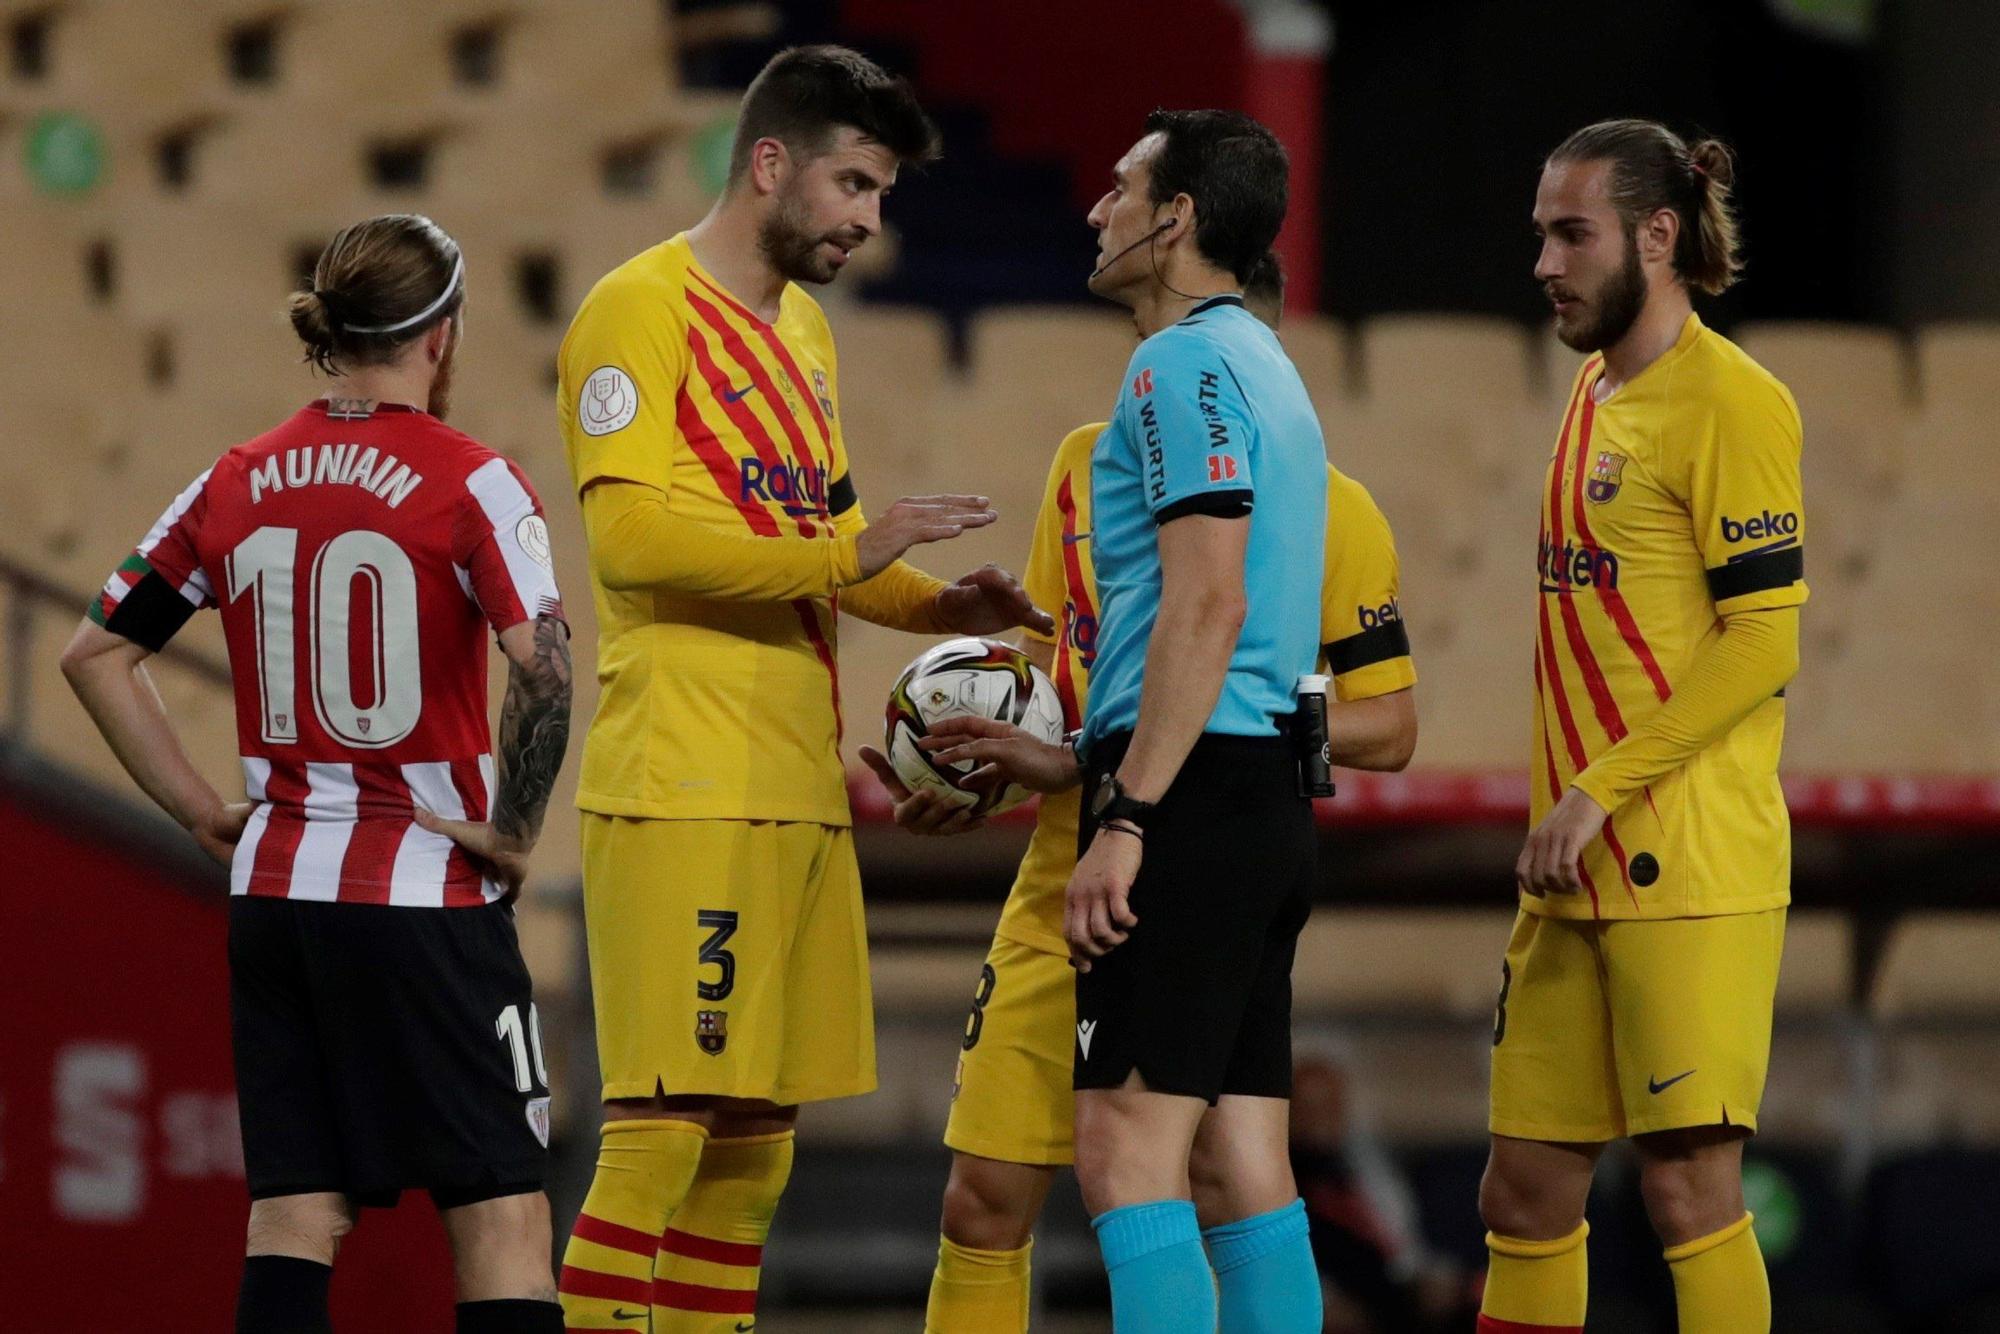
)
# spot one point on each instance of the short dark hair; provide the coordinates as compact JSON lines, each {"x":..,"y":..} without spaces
{"x":1264,"y":286}
{"x":806,"y":93}
{"x":1653,"y":168}
{"x":1236,"y":172}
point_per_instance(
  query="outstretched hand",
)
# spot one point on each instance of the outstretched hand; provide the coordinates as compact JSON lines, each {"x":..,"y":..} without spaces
{"x":988,"y":601}
{"x":1010,"y":753}
{"x":925,"y":812}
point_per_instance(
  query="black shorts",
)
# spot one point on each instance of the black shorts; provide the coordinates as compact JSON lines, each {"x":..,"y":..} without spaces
{"x":384,"y":1048}
{"x":1198,"y":999}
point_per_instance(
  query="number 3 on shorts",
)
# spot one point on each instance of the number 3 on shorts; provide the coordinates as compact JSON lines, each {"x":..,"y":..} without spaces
{"x":720,"y":927}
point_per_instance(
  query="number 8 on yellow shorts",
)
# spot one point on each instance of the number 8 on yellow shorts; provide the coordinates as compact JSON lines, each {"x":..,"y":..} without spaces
{"x":1013,"y":1099}
{"x":727,"y":958}
{"x":1617,"y":1028}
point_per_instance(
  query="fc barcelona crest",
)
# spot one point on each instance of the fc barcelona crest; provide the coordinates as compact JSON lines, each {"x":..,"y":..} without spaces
{"x":1606,"y":475}
{"x":711,"y":1030}
{"x":821,"y":391}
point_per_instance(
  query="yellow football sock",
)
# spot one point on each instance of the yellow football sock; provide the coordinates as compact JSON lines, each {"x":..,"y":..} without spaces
{"x":1720,"y":1284}
{"x":1538,"y":1286}
{"x":712,"y":1250}
{"x":643,"y":1170}
{"x":978,"y":1292}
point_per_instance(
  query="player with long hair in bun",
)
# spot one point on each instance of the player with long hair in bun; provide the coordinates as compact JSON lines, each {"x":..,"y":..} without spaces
{"x":1636,"y":993}
{"x":361,"y":554}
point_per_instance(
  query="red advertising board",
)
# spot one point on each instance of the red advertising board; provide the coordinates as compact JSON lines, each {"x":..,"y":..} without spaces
{"x":121,"y":1164}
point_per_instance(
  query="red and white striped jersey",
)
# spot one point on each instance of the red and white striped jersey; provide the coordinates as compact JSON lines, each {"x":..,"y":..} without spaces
{"x":358,"y":560}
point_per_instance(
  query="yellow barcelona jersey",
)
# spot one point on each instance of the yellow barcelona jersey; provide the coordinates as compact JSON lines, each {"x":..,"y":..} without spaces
{"x":1669,"y":505}
{"x":1361,"y":629}
{"x":710,"y":708}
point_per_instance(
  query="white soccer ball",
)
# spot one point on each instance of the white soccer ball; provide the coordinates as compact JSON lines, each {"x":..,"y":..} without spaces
{"x":977,"y":677}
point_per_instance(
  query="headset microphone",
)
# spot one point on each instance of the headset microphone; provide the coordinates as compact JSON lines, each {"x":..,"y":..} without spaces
{"x":1152,"y":235}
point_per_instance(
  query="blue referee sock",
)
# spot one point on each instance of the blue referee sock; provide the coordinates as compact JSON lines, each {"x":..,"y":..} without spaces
{"x":1160,"y":1282}
{"x":1264,"y":1269}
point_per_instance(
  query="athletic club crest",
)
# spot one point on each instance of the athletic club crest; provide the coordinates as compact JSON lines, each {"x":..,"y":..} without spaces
{"x":821,"y":391}
{"x":1605,"y":477}
{"x":711,"y":1030}
{"x":538,"y":1119}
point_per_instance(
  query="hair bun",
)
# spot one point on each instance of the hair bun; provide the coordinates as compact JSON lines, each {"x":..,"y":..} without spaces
{"x":1712,"y":158}
{"x":313,"y":320}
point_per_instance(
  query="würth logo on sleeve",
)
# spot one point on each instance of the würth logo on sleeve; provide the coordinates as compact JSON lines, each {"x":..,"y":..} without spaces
{"x":1142,"y":383}
{"x":1221,"y":468}
{"x":711,"y":1030}
{"x":1606,"y":475}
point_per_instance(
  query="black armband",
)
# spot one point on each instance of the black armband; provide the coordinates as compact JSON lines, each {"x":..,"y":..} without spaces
{"x":1231,"y":504}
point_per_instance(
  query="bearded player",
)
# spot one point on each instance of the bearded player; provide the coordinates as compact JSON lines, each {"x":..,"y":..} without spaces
{"x":1012,"y":1123}
{"x":699,"y":404}
{"x":1637,"y":990}
{"x":360,"y":554}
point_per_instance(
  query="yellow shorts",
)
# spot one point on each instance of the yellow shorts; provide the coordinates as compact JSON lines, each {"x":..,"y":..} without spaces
{"x":1012,"y":1099}
{"x":1610,"y":1029}
{"x":727,"y":957}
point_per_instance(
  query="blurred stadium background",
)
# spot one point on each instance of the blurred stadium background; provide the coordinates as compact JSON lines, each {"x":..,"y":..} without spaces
{"x":168,"y":169}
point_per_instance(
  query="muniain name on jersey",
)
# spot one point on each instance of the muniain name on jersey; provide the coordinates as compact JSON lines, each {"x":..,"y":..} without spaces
{"x":336,"y":465}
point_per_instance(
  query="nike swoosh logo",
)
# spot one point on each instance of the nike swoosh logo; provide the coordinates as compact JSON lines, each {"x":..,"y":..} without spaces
{"x":1071,"y":539}
{"x":620,"y":1313}
{"x":1661,"y":1086}
{"x":738,"y":395}
{"x":745,"y":1329}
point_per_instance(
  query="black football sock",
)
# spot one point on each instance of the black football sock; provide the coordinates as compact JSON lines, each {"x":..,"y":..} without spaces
{"x":512,"y":1316}
{"x":283,"y":1294}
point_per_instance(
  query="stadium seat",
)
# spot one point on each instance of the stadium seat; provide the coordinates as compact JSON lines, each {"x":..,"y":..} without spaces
{"x":1817,"y":976}
{"x":1318,"y":346}
{"x":894,"y":379}
{"x":1051,"y":368}
{"x":130,"y":53}
{"x":1955,"y":368}
{"x":1425,"y":1079}
{"x":1851,"y":384}
{"x":1419,"y":964}
{"x":1448,"y":378}
{"x":1813,"y":1086}
{"x":44,"y":265}
{"x":1472,"y":630}
{"x":1837,"y":716}
{"x":620,"y":52}
{"x":1940,"y":965}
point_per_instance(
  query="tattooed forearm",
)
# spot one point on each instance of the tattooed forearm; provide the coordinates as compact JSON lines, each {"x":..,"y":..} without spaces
{"x":534,"y":732}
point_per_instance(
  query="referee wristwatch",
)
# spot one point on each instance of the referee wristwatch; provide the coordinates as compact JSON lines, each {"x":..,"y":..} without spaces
{"x":1111,"y":802}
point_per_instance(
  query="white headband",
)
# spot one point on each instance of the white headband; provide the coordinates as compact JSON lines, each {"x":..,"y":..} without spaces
{"x":450,"y":288}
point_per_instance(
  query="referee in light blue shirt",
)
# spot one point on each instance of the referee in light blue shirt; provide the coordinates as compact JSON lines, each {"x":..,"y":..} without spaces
{"x":1196,"y":864}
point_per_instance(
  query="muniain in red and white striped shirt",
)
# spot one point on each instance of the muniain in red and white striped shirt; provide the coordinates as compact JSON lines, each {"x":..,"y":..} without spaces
{"x":359,"y":559}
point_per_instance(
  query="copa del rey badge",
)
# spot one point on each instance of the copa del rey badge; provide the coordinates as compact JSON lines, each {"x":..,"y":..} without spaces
{"x":711,"y":1030}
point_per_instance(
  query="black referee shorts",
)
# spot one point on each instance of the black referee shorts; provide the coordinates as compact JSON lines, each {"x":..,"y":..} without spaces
{"x":383,"y":1048}
{"x":1198,"y":999}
